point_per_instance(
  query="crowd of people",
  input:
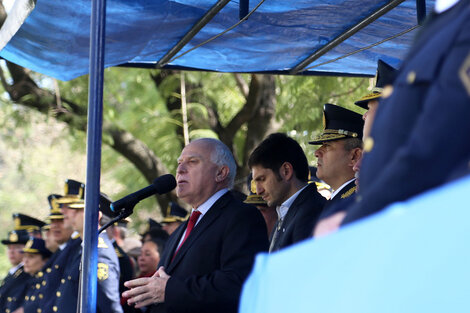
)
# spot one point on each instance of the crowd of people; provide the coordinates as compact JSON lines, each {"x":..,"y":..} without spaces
{"x":197,"y":261}
{"x":46,"y":255}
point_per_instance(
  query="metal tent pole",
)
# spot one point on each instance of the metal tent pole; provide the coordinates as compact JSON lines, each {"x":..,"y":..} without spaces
{"x":345,"y":35}
{"x":88,"y":275}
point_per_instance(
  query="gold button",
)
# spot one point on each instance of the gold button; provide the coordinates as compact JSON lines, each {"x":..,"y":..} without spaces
{"x":54,"y":308}
{"x":58,"y":294}
{"x":40,"y":274}
{"x":9,"y":299}
{"x":33,"y":298}
{"x":41,"y":296}
{"x":62,"y":280}
{"x":410,"y":78}
{"x":69,"y":278}
{"x":387,"y":92}
{"x":48,"y":270}
{"x":39,"y":310}
{"x":56,"y":266}
{"x":38,"y":286}
{"x":43,"y":282}
{"x":368,"y":144}
{"x":7,"y":310}
{"x":26,"y":298}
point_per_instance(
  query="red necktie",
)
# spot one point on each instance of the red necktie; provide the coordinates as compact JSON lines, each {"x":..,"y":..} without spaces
{"x":192,"y":221}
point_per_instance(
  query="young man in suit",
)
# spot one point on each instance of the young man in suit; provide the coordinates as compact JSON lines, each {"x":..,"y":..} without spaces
{"x":207,"y":259}
{"x":280,"y":171}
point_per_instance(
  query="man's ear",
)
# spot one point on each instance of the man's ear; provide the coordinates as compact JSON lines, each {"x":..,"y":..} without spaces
{"x":286,"y":171}
{"x":355,"y":155}
{"x":222,"y":174}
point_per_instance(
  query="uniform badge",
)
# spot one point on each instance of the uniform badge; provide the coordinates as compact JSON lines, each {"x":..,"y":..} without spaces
{"x":464,"y":74}
{"x":29,"y":244}
{"x":101,"y":243}
{"x":13,"y":237}
{"x":103,"y":272}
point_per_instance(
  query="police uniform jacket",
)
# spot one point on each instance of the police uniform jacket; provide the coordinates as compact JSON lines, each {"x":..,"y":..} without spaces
{"x":33,"y":296}
{"x":420,"y":131}
{"x":300,"y":219}
{"x":53,"y":273}
{"x":108,"y":281}
{"x":13,"y":290}
{"x":342,"y":200}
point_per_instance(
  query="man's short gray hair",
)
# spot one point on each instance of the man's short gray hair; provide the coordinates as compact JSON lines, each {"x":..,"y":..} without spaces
{"x":221,"y":155}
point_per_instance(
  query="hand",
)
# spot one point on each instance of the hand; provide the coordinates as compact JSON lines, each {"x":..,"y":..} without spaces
{"x":148,"y":290}
{"x":329,"y":225}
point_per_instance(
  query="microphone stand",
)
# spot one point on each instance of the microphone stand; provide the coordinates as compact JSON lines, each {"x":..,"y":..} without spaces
{"x":125,"y":212}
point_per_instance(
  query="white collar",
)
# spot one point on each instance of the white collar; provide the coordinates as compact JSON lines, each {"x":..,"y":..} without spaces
{"x":15,"y":268}
{"x":203,"y":208}
{"x":341,"y":187}
{"x":284,"y":207}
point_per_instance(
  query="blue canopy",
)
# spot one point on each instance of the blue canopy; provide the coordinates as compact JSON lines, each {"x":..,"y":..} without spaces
{"x":413,"y":257}
{"x":288,"y":37}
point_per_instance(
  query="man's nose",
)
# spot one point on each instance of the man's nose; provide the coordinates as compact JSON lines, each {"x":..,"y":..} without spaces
{"x":181,"y":168}
{"x":317,"y":152}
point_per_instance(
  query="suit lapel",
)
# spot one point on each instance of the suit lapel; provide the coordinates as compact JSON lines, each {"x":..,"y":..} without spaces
{"x":173,"y":244}
{"x":303,"y":195}
{"x":199,"y":229}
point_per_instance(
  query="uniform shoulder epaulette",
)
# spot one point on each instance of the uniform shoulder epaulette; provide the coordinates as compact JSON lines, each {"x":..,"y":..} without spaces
{"x":18,"y":272}
{"x":75,"y":236}
{"x":118,"y":253}
{"x":348,"y":193}
{"x":101,"y":243}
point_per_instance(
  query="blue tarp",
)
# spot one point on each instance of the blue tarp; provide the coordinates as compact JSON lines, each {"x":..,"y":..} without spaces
{"x":280,"y":34}
{"x":413,"y":257}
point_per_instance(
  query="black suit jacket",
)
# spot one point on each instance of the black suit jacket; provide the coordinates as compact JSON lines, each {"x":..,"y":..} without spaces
{"x":299,"y":220}
{"x":208,"y":272}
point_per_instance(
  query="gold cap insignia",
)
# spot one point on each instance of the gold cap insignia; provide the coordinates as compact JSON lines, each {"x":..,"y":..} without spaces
{"x":253,"y":186}
{"x":29,"y":244}
{"x":13,"y":237}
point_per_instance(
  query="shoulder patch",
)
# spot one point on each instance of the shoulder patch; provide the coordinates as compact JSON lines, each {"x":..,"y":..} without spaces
{"x":101,"y":243}
{"x":464,"y":74}
{"x":103,"y":271}
{"x":348,"y":193}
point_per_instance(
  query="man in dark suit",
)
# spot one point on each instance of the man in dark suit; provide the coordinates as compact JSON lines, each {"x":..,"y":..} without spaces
{"x":340,"y":150}
{"x":280,"y":171}
{"x":421,"y":125}
{"x":207,"y":259}
{"x":13,"y":287}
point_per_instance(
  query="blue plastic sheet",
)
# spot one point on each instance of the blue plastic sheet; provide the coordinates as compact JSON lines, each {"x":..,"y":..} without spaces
{"x":54,"y":40}
{"x":411,"y":258}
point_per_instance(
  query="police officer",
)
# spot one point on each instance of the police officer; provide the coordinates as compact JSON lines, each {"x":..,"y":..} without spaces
{"x":14,"y":285}
{"x":108,"y":264}
{"x":341,"y":149}
{"x":53,"y":271}
{"x":175,"y":216}
{"x":421,"y":126}
{"x":35,"y":257}
{"x":30,"y":224}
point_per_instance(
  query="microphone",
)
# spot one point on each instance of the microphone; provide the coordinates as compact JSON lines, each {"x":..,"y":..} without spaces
{"x":160,"y":185}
